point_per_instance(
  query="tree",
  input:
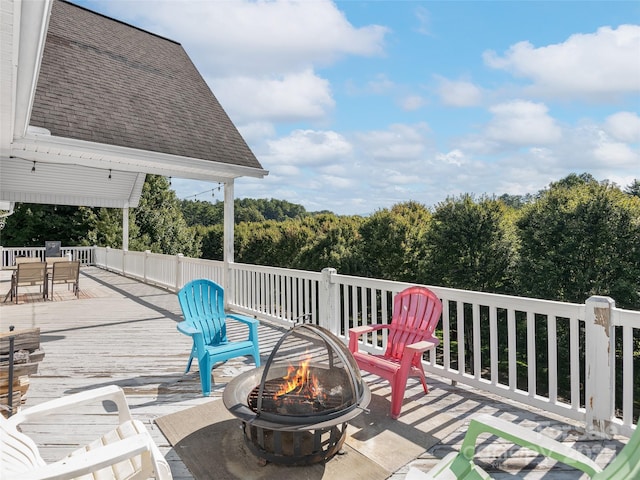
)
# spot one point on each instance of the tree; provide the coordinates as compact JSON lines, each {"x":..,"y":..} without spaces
{"x":471,"y":245}
{"x":581,"y":239}
{"x":516,"y":201}
{"x":161,"y":226}
{"x":107,"y":231}
{"x":391,"y":244}
{"x":200,"y":212}
{"x":333,"y":243}
{"x":212,"y":239}
{"x":633,"y":188}
{"x":33,"y":224}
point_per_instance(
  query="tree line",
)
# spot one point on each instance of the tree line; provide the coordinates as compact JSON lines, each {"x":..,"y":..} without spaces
{"x":576,"y":238}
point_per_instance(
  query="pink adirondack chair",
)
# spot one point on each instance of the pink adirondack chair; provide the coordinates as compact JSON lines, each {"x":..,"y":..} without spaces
{"x":416,"y":312}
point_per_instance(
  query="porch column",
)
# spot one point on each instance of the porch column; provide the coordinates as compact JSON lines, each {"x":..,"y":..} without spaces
{"x":599,"y":359}
{"x":125,"y":228}
{"x":328,"y":302}
{"x":227,"y":244}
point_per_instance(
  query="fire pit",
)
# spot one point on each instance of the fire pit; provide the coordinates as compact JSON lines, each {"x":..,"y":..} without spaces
{"x":295,"y":409}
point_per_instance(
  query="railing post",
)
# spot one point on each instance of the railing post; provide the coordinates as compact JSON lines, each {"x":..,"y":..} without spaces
{"x":179,"y":258}
{"x":599,"y":359}
{"x":144,"y":265}
{"x":328,"y":302}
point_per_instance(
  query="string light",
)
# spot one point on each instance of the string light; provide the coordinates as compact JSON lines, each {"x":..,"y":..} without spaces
{"x":33,"y":169}
{"x":213,"y":192}
{"x":109,"y":174}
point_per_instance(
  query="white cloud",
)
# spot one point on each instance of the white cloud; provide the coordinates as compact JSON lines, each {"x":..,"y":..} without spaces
{"x":459,"y":93}
{"x":412,"y":102}
{"x":624,"y":126}
{"x":602,"y":64}
{"x":309,"y":147}
{"x":244,"y":37}
{"x":380,"y":85}
{"x":399,"y":142}
{"x":522,"y":123}
{"x":455,"y":157}
{"x":424,"y":21}
{"x":292,"y":97}
{"x":259,"y":57}
{"x":255,"y":132}
{"x":616,"y":154}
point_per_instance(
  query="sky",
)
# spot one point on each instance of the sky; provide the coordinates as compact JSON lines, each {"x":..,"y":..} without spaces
{"x":356,"y":106}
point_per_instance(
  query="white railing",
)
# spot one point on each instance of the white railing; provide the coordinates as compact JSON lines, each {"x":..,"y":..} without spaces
{"x":8,"y":255}
{"x":564,"y":358}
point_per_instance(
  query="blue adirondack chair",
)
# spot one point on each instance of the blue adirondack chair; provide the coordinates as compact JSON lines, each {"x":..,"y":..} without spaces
{"x":205,"y":321}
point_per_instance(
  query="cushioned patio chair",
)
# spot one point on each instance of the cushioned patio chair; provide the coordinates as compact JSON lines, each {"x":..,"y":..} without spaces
{"x":205,"y":321}
{"x":460,"y":465}
{"x":127,"y":452}
{"x":416,"y":312}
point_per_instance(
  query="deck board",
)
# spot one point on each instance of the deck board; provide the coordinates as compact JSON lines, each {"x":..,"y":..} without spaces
{"x":122,"y":332}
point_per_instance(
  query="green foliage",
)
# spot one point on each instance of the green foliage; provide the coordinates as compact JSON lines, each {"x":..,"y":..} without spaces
{"x":278,"y":210}
{"x":581,"y":239}
{"x":633,"y":188}
{"x":471,"y":245}
{"x":332,"y":243}
{"x":516,"y":201}
{"x":391,"y":241}
{"x":33,"y":224}
{"x":161,"y":226}
{"x":199,"y":212}
{"x":577,"y":238}
{"x":212,"y":239}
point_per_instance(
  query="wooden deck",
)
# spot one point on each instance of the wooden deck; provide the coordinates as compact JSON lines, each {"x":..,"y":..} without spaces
{"x":122,"y":332}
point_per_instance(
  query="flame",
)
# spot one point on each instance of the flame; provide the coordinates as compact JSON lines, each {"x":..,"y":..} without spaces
{"x":300,"y":380}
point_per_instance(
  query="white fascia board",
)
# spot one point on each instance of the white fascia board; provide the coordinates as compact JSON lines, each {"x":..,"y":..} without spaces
{"x":47,"y":148}
{"x":33,"y":24}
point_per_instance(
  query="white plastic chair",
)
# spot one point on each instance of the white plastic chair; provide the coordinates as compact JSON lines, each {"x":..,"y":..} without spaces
{"x":127,"y":452}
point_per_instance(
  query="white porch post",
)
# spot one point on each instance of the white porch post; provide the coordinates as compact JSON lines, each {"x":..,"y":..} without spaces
{"x":125,"y":228}
{"x":599,"y":359}
{"x":328,"y":302}
{"x":227,"y":244}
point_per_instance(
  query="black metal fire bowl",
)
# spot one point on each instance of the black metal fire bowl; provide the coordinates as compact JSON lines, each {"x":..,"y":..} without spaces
{"x":235,"y":400}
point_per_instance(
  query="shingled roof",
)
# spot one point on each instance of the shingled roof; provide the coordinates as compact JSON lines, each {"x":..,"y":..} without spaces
{"x":104,"y":81}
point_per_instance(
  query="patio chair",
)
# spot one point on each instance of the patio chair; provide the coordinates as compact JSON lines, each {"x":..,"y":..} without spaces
{"x":205,"y":321}
{"x":416,"y":312}
{"x":68,"y":273}
{"x":29,"y":273}
{"x":20,"y":260}
{"x":127,"y":452}
{"x":460,"y":465}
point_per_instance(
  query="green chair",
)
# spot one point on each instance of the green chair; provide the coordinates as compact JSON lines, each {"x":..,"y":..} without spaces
{"x":459,"y":465}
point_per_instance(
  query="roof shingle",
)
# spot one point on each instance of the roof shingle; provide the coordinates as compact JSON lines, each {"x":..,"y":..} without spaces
{"x":105,"y":81}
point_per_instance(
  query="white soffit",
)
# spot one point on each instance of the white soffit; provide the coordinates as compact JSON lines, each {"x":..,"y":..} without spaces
{"x":47,"y":148}
{"x":25,"y":182}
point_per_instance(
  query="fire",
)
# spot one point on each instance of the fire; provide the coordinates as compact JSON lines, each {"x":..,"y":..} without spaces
{"x":300,"y":380}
